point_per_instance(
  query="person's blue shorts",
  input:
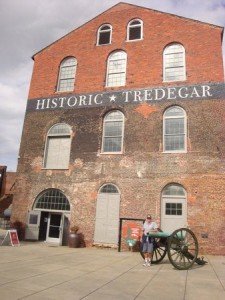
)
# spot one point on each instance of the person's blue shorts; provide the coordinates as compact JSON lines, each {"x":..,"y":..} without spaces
{"x":147,"y":247}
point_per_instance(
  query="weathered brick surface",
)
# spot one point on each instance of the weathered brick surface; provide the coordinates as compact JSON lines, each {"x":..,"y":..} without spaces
{"x":202,"y":43}
{"x":142,"y":171}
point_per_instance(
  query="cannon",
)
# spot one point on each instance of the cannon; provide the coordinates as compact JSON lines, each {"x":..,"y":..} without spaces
{"x":181,"y":247}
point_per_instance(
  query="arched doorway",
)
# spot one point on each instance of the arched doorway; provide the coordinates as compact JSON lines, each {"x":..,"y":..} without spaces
{"x":49,"y":219}
{"x":107,"y":215}
{"x":173,"y":207}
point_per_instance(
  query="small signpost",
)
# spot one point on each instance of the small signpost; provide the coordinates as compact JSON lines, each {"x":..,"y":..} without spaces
{"x":11,"y":238}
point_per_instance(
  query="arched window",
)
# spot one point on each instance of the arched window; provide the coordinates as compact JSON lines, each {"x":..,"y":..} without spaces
{"x":109,"y":188}
{"x":57,"y":149}
{"x":135,"y":30}
{"x":113,"y":127}
{"x":173,"y":207}
{"x":52,"y":199}
{"x":174,"y":68}
{"x":67,"y":73}
{"x":104,"y":36}
{"x":116,"y":69}
{"x":174,"y":190}
{"x":174,"y":129}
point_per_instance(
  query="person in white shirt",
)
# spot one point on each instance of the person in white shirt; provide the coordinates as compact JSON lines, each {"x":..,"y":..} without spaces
{"x":147,"y":241}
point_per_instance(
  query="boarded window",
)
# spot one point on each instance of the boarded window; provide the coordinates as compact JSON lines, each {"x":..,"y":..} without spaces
{"x":57,"y":152}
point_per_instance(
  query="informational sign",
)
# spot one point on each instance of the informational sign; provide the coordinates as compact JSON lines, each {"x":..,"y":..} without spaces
{"x":122,"y":97}
{"x":131,"y":232}
{"x":11,"y":238}
{"x":14,"y":237}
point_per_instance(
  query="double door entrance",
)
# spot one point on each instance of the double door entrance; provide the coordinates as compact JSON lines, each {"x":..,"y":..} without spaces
{"x":47,"y":226}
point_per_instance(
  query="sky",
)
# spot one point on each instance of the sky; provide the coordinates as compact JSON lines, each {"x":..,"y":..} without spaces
{"x":27,"y":26}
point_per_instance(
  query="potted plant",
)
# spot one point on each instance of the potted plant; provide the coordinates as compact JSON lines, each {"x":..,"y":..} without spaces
{"x":74,"y":237}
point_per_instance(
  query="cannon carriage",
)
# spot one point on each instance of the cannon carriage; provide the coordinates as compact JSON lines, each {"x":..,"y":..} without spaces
{"x":181,"y":247}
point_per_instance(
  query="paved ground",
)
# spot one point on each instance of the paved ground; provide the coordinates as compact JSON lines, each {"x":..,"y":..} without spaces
{"x":37,"y":271}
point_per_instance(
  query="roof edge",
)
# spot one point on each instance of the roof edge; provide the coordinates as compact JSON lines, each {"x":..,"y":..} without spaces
{"x":127,"y":3}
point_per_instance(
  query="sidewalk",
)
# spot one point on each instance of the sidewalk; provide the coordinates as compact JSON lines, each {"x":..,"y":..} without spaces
{"x":37,"y":271}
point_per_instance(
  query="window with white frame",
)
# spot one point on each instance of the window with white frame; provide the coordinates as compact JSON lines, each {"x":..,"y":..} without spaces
{"x":57,"y":149}
{"x":52,"y":199}
{"x":174,"y":130}
{"x":174,"y":68}
{"x":135,"y":30}
{"x":104,"y":36}
{"x":116,"y":69}
{"x":109,"y":188}
{"x":67,"y":73}
{"x":113,"y":128}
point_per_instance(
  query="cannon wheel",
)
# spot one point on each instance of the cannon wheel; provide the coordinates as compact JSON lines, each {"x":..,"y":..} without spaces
{"x":159,"y":250}
{"x":182,"y":248}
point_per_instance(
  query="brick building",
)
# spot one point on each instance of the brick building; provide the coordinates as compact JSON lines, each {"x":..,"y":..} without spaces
{"x":7,"y":183}
{"x":126,"y":116}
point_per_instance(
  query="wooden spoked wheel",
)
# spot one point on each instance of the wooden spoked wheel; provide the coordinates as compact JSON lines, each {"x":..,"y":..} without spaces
{"x":159,"y":250}
{"x":182,"y":248}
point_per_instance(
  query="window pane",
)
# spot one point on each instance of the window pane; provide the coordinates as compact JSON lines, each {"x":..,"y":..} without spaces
{"x":54,"y":200}
{"x":135,"y":22}
{"x":117,"y":66}
{"x":33,"y":219}
{"x":113,"y":132}
{"x":116,"y":69}
{"x":106,"y":27}
{"x":172,"y":209}
{"x":134,"y":33}
{"x":174,"y":129}
{"x":174,"y":112}
{"x":174,"y":63}
{"x":66,"y":85}
{"x":104,"y":38}
{"x":174,"y":142}
{"x":114,"y":115}
{"x":174,"y":126}
{"x":67,"y":74}
{"x":71,"y":61}
{"x":174,"y":190}
{"x":60,"y":129}
{"x":112,"y":144}
{"x":116,"y":79}
{"x":113,"y":129}
{"x":109,"y":188}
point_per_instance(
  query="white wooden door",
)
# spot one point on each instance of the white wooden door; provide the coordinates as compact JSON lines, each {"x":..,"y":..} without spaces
{"x":173,"y":213}
{"x":58,"y":152}
{"x":107,"y":219}
{"x":33,"y":223}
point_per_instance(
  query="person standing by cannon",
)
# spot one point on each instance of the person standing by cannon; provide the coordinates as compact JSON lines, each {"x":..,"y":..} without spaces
{"x":147,"y":242}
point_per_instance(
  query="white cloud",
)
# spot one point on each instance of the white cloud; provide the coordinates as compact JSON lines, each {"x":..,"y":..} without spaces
{"x":30,"y":25}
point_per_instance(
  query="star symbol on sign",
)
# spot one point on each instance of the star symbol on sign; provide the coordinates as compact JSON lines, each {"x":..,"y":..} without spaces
{"x":112,"y":98}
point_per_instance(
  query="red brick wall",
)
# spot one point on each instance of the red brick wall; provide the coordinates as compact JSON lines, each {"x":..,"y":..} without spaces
{"x":144,"y":66}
